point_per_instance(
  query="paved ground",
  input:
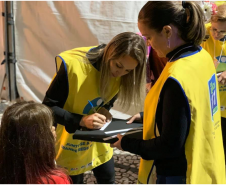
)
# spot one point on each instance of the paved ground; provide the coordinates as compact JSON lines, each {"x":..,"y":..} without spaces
{"x":126,"y":164}
{"x":126,"y":169}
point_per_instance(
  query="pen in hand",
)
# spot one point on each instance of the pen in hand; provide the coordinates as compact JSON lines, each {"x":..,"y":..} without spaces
{"x":93,"y":108}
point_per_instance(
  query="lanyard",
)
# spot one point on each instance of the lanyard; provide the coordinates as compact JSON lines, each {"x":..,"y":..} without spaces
{"x":221,"y":49}
{"x":178,"y":52}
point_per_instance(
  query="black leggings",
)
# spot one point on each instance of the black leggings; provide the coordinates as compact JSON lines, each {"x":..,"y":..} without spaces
{"x":105,"y":174}
{"x":223,"y":127}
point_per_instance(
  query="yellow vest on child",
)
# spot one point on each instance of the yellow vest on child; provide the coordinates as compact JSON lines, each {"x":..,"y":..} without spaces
{"x":78,"y":156}
{"x":204,"y":147}
{"x":215,"y":53}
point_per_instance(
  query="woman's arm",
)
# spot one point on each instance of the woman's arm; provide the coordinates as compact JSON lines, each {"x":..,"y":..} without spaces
{"x":56,"y":97}
{"x":174,"y":116}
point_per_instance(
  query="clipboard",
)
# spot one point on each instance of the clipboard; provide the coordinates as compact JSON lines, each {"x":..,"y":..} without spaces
{"x":109,"y":134}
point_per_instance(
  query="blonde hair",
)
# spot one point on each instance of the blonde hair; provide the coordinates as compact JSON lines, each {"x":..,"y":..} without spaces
{"x":220,"y":14}
{"x":132,"y":85}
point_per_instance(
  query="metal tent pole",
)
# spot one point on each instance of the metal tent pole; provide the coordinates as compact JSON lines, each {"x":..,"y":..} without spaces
{"x":10,"y":58}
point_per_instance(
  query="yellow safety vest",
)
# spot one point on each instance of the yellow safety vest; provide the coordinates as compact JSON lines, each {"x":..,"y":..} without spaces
{"x":204,"y":147}
{"x":208,"y":45}
{"x":78,"y":156}
{"x":218,"y":3}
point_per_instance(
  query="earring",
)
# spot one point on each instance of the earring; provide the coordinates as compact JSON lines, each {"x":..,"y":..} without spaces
{"x":168,"y":43}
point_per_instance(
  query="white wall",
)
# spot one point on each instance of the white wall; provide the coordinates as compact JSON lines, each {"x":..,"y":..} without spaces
{"x":44,"y":29}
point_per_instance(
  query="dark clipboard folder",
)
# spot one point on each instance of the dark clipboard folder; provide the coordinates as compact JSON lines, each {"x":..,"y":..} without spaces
{"x":104,"y":136}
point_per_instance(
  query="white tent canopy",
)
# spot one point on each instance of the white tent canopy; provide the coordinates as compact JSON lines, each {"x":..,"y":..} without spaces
{"x":44,"y":29}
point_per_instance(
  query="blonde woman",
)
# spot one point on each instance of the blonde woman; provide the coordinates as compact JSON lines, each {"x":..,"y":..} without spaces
{"x":99,"y":75}
{"x":216,"y":46}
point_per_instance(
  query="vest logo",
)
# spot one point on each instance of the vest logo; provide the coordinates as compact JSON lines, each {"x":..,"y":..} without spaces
{"x":213,"y":95}
{"x":89,"y":164}
{"x":221,"y":59}
{"x":97,"y":102}
{"x":73,"y":169}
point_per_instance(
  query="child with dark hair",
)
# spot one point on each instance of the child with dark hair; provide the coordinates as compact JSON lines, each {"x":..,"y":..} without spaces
{"x":27,"y":149}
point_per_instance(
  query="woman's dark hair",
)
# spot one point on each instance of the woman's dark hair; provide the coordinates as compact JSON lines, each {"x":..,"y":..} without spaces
{"x":187,"y":16}
{"x":27,"y":145}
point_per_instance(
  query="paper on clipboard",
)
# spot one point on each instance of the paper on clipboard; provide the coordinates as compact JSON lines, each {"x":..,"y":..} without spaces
{"x":105,"y":125}
{"x":116,"y":126}
{"x":125,"y":133}
{"x":120,"y":130}
{"x":218,"y":74}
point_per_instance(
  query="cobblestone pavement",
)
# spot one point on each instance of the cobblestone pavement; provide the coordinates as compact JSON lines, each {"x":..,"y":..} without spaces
{"x":126,"y":164}
{"x":126,"y":168}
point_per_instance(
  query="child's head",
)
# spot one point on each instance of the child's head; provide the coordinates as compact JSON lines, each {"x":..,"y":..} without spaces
{"x":218,"y":22}
{"x":26,"y":143}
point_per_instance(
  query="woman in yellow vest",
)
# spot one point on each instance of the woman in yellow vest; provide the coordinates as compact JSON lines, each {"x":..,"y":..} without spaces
{"x":181,"y":123}
{"x":215,"y":45}
{"x":99,"y":75}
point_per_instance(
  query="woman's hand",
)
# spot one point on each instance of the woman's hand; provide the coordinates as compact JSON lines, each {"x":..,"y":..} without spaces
{"x":222,"y":78}
{"x":118,"y":143}
{"x":94,"y":121}
{"x":136,"y":117}
{"x":106,"y":113}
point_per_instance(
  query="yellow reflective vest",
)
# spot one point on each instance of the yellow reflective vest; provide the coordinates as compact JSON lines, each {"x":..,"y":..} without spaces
{"x":78,"y":156}
{"x":204,"y":147}
{"x":215,"y":53}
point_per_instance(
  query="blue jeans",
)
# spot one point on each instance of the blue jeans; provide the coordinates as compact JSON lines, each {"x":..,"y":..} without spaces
{"x":171,"y":179}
